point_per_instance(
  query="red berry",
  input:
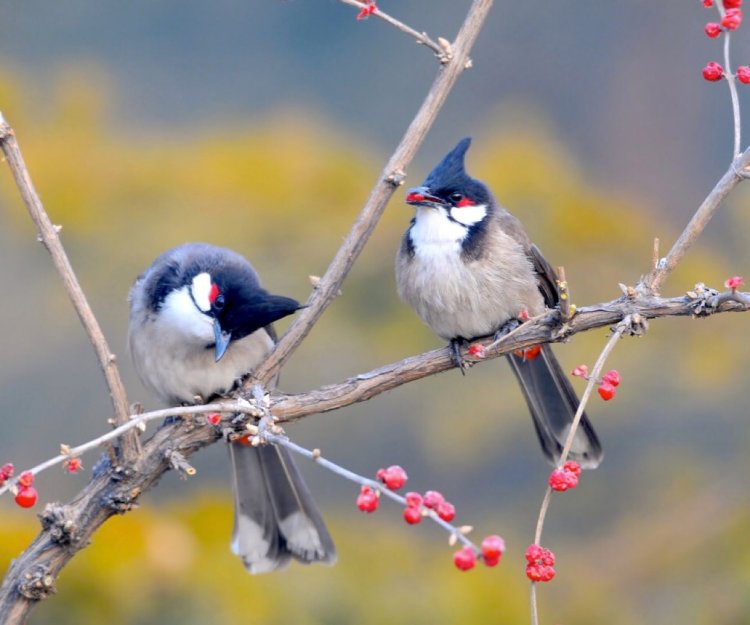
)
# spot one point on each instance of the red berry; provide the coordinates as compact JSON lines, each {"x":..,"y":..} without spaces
{"x":27,"y":496}
{"x":713,"y":72}
{"x":708,"y":3}
{"x":612,"y":377}
{"x":367,"y":10}
{"x":713,"y":29}
{"x":477,"y":350}
{"x":732,"y":4}
{"x":213,"y":418}
{"x":732,"y":19}
{"x":412,"y":515}
{"x":432,"y":499}
{"x":558,"y":480}
{"x":245,"y":440}
{"x":581,"y":371}
{"x":413,"y":500}
{"x":529,"y":353}
{"x":534,"y":553}
{"x":492,"y":548}
{"x":731,"y":283}
{"x":573,"y":467}
{"x":25,"y":479}
{"x":6,"y":471}
{"x":394,"y":477}
{"x":446,"y":511}
{"x":606,"y":391}
{"x":465,"y":558}
{"x":540,"y":572}
{"x":541,"y":564}
{"x":73,"y":465}
{"x":368,"y":499}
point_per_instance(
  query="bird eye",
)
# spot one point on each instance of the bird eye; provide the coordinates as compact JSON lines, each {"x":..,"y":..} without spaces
{"x":456,"y":197}
{"x":219,"y":302}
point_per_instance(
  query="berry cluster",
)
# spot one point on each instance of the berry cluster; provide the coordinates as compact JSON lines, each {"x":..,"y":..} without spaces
{"x":540,"y":565}
{"x":417,"y":505}
{"x":420,"y":505}
{"x":367,"y":10}
{"x":566,"y":478}
{"x":492,"y":548}
{"x":607,"y":384}
{"x":731,"y":19}
{"x":26,"y":494}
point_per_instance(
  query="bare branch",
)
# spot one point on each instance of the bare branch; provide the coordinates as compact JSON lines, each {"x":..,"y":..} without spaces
{"x":654,"y":280}
{"x":391,"y":177}
{"x":48,"y":234}
{"x":441,"y":53}
{"x":543,"y":329}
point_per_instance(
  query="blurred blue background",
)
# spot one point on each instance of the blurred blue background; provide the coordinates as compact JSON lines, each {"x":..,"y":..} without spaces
{"x":262,"y":126}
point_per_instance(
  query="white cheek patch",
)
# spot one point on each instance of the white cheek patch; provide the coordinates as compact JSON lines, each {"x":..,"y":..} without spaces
{"x":181,"y":317}
{"x":433,"y":228}
{"x":469,"y":215}
{"x":201,"y":290}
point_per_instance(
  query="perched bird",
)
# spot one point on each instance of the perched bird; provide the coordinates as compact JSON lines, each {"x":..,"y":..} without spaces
{"x":200,"y":321}
{"x":468,"y":268}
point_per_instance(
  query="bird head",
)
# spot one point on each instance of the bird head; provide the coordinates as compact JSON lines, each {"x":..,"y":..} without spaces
{"x":450,"y":190}
{"x":212,"y":297}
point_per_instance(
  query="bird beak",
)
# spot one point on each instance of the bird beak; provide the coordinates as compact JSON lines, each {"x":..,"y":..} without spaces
{"x":421,"y":196}
{"x":221,"y":340}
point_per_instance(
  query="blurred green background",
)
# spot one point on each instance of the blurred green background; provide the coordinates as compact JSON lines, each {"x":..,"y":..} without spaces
{"x":262,"y":126}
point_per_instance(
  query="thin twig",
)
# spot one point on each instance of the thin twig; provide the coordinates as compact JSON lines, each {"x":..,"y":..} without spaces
{"x":48,"y":234}
{"x":732,"y":84}
{"x":654,"y":280}
{"x":421,"y":38}
{"x":138,"y":421}
{"x":391,"y":177}
{"x":621,"y":328}
{"x":283,"y":441}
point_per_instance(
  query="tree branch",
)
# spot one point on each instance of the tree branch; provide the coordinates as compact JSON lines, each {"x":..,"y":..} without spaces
{"x":391,"y":177}
{"x":654,"y":280}
{"x":543,"y":329}
{"x":48,"y":235}
{"x":443,"y":53}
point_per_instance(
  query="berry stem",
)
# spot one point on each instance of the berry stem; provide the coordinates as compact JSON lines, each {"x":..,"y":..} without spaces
{"x":315,"y":456}
{"x":596,"y":371}
{"x":732,"y":83}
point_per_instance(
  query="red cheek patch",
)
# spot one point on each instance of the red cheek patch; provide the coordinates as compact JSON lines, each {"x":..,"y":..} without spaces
{"x":213,"y":293}
{"x":465,"y":202}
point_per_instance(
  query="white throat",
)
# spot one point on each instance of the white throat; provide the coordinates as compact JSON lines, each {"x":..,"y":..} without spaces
{"x":434,"y":232}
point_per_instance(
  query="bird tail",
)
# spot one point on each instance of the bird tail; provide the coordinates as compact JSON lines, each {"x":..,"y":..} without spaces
{"x":553,"y":404}
{"x":275,"y":517}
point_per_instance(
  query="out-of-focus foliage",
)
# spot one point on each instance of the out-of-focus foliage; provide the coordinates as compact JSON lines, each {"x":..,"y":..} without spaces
{"x":283,"y":190}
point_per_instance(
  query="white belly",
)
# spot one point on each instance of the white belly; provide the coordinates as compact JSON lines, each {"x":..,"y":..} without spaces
{"x":468,"y":299}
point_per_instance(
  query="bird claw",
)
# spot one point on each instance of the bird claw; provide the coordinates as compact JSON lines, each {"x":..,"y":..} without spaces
{"x":506,"y":329}
{"x":456,"y":345}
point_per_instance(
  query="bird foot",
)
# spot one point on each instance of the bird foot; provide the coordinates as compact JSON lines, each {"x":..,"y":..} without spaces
{"x":507,"y":329}
{"x":456,"y":345}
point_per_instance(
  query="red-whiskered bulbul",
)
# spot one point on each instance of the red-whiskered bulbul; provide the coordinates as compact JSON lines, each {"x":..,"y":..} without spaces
{"x":199,"y":322}
{"x":468,"y":268}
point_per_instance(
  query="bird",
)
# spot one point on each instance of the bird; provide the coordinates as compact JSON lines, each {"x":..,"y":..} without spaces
{"x":469,"y":270}
{"x":199,"y":322}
